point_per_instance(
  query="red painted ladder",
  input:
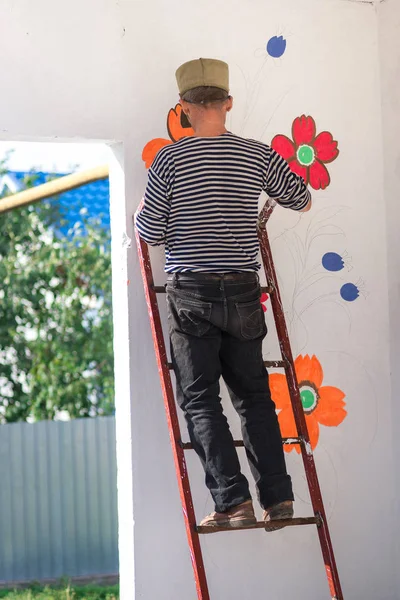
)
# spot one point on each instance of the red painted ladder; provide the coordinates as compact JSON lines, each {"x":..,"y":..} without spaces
{"x":178,"y":447}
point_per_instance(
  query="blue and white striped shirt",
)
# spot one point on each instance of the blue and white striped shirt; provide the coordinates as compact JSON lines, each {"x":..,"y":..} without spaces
{"x":201,"y":201}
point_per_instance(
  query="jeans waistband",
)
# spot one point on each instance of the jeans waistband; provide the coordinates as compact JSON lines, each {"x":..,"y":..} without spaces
{"x":245,"y":277}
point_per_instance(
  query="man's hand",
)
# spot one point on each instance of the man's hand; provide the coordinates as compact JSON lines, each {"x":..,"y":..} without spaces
{"x":139,"y":209}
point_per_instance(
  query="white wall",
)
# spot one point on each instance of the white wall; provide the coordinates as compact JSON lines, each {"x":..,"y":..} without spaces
{"x":104,"y":70}
{"x":389,"y":31}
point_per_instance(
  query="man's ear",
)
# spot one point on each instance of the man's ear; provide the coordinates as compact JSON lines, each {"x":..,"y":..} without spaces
{"x":229,"y":104}
{"x":185,"y":118}
{"x":185,"y":106}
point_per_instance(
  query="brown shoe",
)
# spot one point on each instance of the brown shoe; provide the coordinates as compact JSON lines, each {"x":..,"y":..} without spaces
{"x":278,"y":512}
{"x":241,"y":515}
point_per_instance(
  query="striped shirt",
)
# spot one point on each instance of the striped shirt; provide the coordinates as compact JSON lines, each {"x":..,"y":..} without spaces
{"x":201,"y":201}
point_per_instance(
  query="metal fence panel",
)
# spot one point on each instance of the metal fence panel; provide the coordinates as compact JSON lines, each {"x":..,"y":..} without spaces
{"x":58,"y":499}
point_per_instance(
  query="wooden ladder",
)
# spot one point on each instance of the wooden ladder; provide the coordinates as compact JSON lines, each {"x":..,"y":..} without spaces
{"x":178,"y":447}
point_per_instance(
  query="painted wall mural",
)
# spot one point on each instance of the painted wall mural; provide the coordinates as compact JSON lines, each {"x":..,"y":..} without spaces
{"x":351,"y":291}
{"x":308,"y":153}
{"x":320,"y":277}
{"x":276,"y":46}
{"x":332,"y":261}
{"x":178,"y":127}
{"x":322,"y":405}
{"x":264,"y":299}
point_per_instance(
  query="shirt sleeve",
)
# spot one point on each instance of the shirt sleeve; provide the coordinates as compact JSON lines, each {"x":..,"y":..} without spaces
{"x":284,"y":186}
{"x":152,"y":220}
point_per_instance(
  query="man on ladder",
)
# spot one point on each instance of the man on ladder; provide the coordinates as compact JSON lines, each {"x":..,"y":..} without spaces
{"x":201,"y":201}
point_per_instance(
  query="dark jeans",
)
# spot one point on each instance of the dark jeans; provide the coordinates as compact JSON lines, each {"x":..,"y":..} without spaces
{"x":217,"y":327}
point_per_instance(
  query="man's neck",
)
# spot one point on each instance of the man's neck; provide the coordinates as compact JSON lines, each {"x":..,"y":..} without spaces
{"x":209,"y":130}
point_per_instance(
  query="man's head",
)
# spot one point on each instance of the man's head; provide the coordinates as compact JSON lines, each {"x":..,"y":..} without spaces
{"x":204,"y":91}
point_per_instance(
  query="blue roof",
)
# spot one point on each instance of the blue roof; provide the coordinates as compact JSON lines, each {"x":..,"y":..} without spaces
{"x":94,"y":197}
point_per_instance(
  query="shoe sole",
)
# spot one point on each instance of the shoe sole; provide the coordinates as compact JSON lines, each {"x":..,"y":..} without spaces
{"x":231,"y":523}
{"x":273,"y":524}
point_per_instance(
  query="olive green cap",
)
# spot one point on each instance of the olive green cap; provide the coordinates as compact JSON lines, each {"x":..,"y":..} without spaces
{"x":202,"y":72}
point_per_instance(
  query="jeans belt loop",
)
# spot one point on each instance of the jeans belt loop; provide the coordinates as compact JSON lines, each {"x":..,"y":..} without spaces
{"x":176,"y":281}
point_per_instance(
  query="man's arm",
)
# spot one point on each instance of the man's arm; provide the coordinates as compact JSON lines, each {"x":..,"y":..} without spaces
{"x":151,"y":217}
{"x":308,"y":206}
{"x":287,"y":188}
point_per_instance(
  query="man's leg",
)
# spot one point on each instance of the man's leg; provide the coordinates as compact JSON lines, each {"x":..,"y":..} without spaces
{"x":247,"y":380}
{"x":195,"y":346}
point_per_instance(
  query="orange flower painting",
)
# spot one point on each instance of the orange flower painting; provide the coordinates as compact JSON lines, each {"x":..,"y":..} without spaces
{"x":323,"y":405}
{"x":178,"y":127}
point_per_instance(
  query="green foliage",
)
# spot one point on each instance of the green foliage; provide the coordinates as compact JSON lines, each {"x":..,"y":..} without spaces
{"x":68,"y":593}
{"x":55,"y":316}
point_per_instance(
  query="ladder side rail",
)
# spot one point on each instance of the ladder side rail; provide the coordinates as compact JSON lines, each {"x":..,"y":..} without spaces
{"x":300,"y":420}
{"x":173,"y":422}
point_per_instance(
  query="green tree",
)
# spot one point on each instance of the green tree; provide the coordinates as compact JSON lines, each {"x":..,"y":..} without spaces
{"x":55,"y":316}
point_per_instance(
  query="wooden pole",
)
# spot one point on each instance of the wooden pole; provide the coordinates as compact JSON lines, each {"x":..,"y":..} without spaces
{"x":53,"y":188}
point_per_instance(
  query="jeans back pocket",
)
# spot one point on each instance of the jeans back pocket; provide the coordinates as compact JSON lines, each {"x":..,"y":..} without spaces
{"x":252,"y":321}
{"x":194,"y":315}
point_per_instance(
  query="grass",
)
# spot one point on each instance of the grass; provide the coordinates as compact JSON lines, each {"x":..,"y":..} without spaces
{"x":87,"y":592}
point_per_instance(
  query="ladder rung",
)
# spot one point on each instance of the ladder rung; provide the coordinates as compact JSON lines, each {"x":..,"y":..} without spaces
{"x":272,"y":364}
{"x":271,"y":526}
{"x":239,"y":443}
{"x":275,"y":364}
{"x":160,"y":289}
{"x":267,"y":289}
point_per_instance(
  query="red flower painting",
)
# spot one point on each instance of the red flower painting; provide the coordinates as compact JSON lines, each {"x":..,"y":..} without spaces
{"x":308,"y":153}
{"x":178,"y":127}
